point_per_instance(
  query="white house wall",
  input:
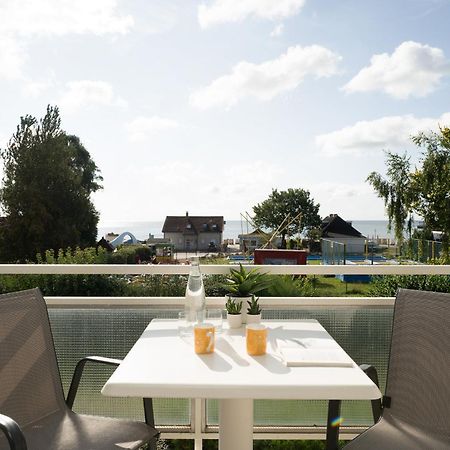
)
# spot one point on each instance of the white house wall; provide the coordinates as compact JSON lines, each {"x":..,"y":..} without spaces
{"x":200,"y":242}
{"x":352,"y":244}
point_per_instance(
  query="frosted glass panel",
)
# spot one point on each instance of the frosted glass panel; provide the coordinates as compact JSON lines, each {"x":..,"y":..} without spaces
{"x":103,"y":332}
{"x":363,"y":333}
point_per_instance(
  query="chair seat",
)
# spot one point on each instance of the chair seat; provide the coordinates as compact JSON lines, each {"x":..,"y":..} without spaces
{"x":394,"y":434}
{"x":70,"y":431}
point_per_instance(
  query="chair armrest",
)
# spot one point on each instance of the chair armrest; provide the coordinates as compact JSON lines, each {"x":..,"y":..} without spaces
{"x":372,"y":373}
{"x":13,"y":433}
{"x":79,"y":372}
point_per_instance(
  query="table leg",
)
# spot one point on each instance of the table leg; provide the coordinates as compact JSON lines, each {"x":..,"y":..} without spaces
{"x":334,"y":411}
{"x":236,"y":424}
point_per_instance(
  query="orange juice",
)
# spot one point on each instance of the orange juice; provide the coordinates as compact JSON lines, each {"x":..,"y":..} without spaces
{"x":256,"y":339}
{"x":204,"y":336}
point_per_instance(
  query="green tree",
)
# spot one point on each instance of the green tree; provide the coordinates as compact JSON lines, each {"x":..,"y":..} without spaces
{"x":271,"y":213}
{"x":426,"y":191}
{"x":431,"y":183}
{"x":396,"y":192}
{"x":48,"y":179}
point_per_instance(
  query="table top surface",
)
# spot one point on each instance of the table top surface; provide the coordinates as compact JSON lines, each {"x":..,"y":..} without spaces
{"x":162,"y":364}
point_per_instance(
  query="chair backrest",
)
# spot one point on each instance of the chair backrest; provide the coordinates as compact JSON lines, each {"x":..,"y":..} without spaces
{"x":30,"y":384}
{"x":418,"y":381}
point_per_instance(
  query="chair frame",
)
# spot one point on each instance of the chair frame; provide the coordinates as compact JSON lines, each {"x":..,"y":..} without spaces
{"x":334,"y":409}
{"x":379,"y":406}
{"x":14,"y":434}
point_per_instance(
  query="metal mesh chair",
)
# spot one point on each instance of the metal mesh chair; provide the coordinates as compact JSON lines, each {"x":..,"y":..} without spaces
{"x":33,"y":412}
{"x":416,"y":407}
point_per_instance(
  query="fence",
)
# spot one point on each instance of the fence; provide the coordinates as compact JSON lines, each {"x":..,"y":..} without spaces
{"x":421,"y":250}
{"x":110,"y":325}
{"x":333,"y":252}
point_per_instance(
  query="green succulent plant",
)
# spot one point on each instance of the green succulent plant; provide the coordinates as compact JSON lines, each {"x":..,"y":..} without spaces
{"x":233,"y":307}
{"x":243,"y":283}
{"x":253,"y":306}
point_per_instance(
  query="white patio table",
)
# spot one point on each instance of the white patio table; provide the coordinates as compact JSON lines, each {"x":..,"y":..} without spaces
{"x":161,"y":364}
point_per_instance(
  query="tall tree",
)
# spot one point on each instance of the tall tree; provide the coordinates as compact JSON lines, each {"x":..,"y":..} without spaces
{"x":272,"y":212}
{"x":396,"y":192}
{"x":48,"y":179}
{"x":431,"y":183}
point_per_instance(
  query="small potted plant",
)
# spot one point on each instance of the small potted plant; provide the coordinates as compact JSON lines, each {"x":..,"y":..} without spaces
{"x":253,"y":311}
{"x":234,"y":315}
{"x":243,"y":284}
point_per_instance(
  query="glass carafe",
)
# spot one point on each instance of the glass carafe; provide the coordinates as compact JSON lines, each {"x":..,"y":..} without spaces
{"x":194,"y":305}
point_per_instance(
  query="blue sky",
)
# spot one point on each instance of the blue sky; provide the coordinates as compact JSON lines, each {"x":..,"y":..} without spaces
{"x":207,"y":105}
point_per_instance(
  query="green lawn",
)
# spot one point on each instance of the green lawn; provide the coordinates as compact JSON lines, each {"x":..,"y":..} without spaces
{"x":333,"y":287}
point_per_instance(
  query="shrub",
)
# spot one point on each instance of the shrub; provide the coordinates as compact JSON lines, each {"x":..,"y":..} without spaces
{"x":157,"y":286}
{"x":67,"y":285}
{"x":288,"y":286}
{"x":387,"y":285}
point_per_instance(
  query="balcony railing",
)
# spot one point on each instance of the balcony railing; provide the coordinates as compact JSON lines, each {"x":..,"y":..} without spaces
{"x":109,"y":326}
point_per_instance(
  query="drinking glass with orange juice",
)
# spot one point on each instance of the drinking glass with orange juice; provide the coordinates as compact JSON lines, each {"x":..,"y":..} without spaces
{"x":256,"y":335}
{"x":204,"y":337}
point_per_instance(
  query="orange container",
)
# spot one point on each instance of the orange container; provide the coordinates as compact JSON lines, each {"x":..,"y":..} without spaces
{"x":256,"y":339}
{"x":204,"y":337}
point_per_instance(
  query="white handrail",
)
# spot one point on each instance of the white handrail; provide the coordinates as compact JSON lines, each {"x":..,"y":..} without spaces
{"x":178,"y":302}
{"x":213,"y":269}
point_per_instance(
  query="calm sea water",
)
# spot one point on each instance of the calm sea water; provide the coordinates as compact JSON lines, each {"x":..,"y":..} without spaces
{"x":141,"y":230}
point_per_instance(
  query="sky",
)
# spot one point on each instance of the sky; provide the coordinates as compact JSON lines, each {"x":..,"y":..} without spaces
{"x":205,"y":106}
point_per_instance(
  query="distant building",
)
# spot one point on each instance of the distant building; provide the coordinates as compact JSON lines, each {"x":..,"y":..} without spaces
{"x":104,"y":244}
{"x":256,"y":239}
{"x":194,"y":233}
{"x":337,"y":229}
{"x":111,"y":236}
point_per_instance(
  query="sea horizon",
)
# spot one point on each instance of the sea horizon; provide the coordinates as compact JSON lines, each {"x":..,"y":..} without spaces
{"x":142,"y":229}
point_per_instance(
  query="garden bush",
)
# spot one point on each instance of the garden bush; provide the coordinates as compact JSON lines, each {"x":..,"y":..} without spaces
{"x":68,"y":285}
{"x":387,"y":285}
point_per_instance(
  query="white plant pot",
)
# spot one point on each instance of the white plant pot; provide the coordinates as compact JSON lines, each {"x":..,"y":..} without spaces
{"x":253,"y":318}
{"x":234,"y":320}
{"x":244,"y":301}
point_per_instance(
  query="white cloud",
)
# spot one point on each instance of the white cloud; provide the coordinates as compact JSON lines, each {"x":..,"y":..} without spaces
{"x":60,"y":17}
{"x":391,"y":132}
{"x":36,"y":88}
{"x":141,"y":128}
{"x":85,"y":93}
{"x":198,"y":187}
{"x":12,"y":58}
{"x":23,"y":20}
{"x":222,"y":11}
{"x":349,"y":200}
{"x":266,"y":80}
{"x":277,"y":31}
{"x":159,"y":16}
{"x":412,"y":70}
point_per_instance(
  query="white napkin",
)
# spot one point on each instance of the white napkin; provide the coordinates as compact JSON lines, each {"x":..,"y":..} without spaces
{"x":320,"y":357}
